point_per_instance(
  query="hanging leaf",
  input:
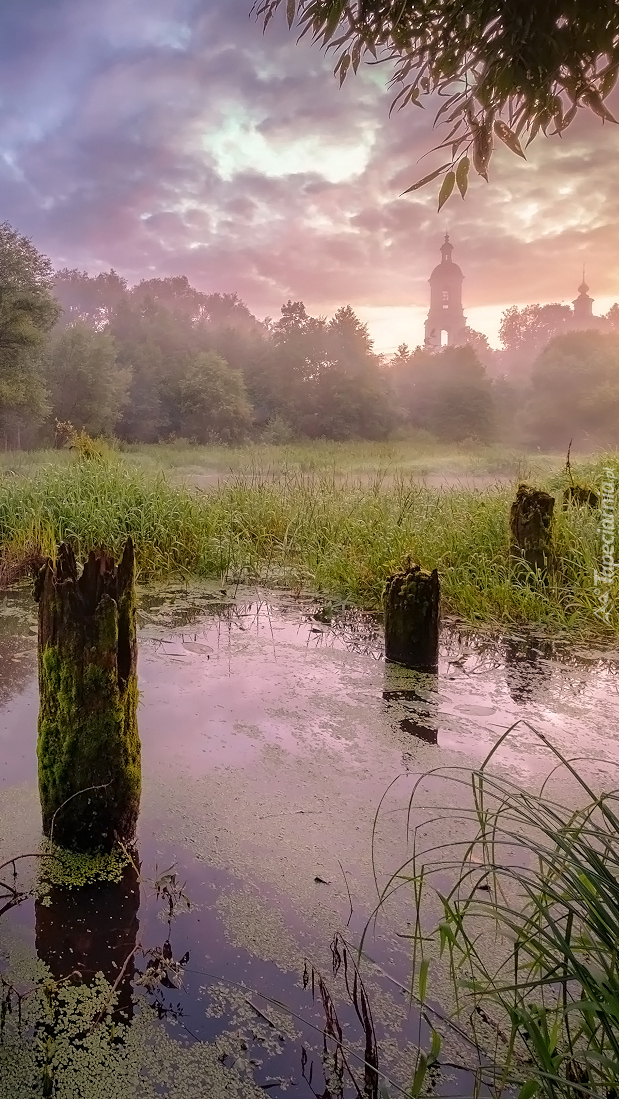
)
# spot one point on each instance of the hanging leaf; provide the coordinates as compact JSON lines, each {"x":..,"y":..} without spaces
{"x":447,"y":187}
{"x":569,"y":118}
{"x":462,"y":175}
{"x":332,"y":22}
{"x":290,"y":12}
{"x":426,"y":179}
{"x":508,"y":137}
{"x":343,"y":65}
{"x":482,"y":149}
{"x":609,"y":79}
{"x":593,"y":100}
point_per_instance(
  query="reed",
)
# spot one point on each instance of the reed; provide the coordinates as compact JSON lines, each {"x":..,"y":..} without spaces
{"x":317,"y":531}
{"x":528,"y":928}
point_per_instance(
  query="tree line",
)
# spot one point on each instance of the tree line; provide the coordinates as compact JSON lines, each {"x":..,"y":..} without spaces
{"x":162,"y":360}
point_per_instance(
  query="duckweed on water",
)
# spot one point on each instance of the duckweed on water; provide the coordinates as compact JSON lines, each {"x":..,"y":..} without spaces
{"x":73,"y":869}
{"x":66,"y":1045}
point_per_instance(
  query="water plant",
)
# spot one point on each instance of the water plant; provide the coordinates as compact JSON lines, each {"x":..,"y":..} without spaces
{"x":313,"y":531}
{"x":524,"y":911}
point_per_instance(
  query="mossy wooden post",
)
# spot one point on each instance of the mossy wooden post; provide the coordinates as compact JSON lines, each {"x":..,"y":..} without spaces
{"x":530,"y":523}
{"x":581,"y":496}
{"x":88,"y":745}
{"x":411,"y":600}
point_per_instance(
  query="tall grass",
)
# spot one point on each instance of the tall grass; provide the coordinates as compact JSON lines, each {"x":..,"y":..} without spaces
{"x":313,"y":531}
{"x":529,"y":929}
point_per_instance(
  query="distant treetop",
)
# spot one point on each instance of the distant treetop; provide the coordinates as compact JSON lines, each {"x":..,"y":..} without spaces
{"x":503,"y":69}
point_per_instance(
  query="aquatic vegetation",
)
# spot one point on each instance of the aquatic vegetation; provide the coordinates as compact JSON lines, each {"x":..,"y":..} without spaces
{"x":64,"y":1043}
{"x":74,"y":869}
{"x":313,"y":531}
{"x":528,"y":926}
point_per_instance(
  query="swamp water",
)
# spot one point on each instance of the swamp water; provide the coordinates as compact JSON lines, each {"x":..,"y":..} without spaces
{"x":271,"y":729}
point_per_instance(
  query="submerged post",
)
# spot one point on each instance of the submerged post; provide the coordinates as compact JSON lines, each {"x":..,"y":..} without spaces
{"x":88,"y":744}
{"x":412,"y":602}
{"x":530,"y":523}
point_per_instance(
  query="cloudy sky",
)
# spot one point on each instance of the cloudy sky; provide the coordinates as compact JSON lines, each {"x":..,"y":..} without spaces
{"x":165,"y":137}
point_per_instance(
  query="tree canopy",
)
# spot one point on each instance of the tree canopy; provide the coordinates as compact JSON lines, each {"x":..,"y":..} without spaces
{"x":502,"y":71}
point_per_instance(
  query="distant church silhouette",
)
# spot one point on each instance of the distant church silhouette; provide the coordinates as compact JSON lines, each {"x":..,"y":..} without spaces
{"x":446,"y":323}
{"x":446,"y":316}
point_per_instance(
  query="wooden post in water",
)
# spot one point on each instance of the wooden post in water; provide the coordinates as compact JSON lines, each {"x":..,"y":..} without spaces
{"x":88,"y":744}
{"x":412,"y":602}
{"x":530,"y":523}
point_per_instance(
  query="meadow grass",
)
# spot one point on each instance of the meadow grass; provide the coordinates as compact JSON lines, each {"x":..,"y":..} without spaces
{"x":313,"y":531}
{"x":417,"y":455}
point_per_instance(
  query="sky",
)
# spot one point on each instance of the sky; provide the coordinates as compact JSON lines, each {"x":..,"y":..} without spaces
{"x":168,"y":137}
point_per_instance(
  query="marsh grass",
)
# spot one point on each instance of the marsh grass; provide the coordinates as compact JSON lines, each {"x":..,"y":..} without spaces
{"x":417,"y":455}
{"x":528,"y":928}
{"x":316,"y":531}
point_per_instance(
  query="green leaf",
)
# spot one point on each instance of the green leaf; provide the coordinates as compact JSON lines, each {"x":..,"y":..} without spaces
{"x":426,"y":179}
{"x":593,"y":100}
{"x":333,"y":20}
{"x":419,"y":1077}
{"x":423,"y":978}
{"x":462,"y":175}
{"x":447,"y":187}
{"x":435,"y":1049}
{"x":508,"y":137}
{"x":343,"y":66}
{"x":528,"y":1089}
{"x":290,"y":12}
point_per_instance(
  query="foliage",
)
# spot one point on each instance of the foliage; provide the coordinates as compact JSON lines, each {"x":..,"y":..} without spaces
{"x":503,"y":73}
{"x":74,"y":869}
{"x":86,"y":385}
{"x":27,"y":313}
{"x":575,"y":390}
{"x":209,"y":401}
{"x":447,"y":392}
{"x":525,"y":332}
{"x":529,"y":926}
{"x":86,"y":448}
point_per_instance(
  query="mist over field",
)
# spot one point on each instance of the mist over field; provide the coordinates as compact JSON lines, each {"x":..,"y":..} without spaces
{"x":204,"y":189}
{"x":309,"y":597}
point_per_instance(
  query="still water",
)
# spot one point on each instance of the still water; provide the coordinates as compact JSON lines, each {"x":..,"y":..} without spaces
{"x":271,"y":729}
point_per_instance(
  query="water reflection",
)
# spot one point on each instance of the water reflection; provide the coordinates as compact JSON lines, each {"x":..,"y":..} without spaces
{"x":92,"y":930}
{"x":528,"y":670}
{"x":412,"y":699}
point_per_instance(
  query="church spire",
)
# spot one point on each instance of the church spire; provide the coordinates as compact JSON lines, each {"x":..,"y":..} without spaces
{"x":446,"y":249}
{"x":583,"y":304}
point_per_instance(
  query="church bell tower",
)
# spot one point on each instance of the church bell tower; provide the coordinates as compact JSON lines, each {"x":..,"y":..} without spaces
{"x":446,"y":323}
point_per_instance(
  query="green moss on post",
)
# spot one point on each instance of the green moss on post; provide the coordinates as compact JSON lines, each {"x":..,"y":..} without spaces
{"x":412,"y":601}
{"x":531,"y":528}
{"x":580,"y":496}
{"x":88,"y":745}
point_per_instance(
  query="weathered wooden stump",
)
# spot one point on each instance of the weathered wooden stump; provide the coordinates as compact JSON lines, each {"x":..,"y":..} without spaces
{"x":88,"y":744}
{"x":530,"y":523}
{"x":412,"y":602}
{"x":581,"y":496}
